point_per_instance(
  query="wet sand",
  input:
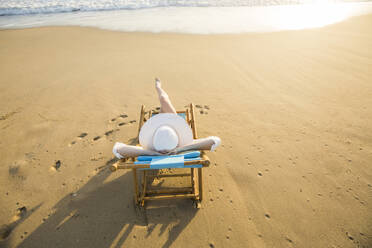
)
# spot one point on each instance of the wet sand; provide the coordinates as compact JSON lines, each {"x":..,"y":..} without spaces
{"x":293,"y":110}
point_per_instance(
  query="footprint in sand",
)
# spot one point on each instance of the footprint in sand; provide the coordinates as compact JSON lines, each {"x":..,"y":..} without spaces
{"x":16,"y":172}
{"x":349,"y":236}
{"x":57,"y":165}
{"x":203,"y":111}
{"x":109,"y":132}
{"x":80,"y":136}
{"x":120,"y":116}
{"x":293,"y":160}
{"x":13,"y":170}
{"x":155,"y":110}
{"x":289,"y":240}
{"x":8,"y":115}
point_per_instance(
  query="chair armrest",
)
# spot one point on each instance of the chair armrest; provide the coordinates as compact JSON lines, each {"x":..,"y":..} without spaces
{"x":125,"y":164}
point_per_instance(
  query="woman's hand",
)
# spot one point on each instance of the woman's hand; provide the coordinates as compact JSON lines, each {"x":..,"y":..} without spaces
{"x":175,"y":151}
{"x":154,"y":153}
{"x":166,"y":152}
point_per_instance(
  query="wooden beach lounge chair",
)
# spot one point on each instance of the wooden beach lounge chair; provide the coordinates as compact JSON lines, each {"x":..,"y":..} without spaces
{"x":146,"y":168}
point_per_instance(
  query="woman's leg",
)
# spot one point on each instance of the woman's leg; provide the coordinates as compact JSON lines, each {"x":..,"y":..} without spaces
{"x":209,"y":143}
{"x":165,"y":103}
{"x":121,"y":150}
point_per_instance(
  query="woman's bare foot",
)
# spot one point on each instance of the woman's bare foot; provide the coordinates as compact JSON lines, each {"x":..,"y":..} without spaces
{"x":157,"y":83}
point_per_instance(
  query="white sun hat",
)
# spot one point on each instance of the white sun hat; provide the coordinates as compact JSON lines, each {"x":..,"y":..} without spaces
{"x":164,"y":132}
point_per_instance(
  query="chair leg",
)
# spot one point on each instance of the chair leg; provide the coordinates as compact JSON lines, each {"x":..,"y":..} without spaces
{"x":200,"y":177}
{"x":144,"y":186}
{"x":196,"y":184}
{"x":192,"y":178}
{"x":135,"y":180}
{"x":141,"y":120}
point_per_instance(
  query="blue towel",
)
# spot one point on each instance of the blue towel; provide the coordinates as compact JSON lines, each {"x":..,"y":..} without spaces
{"x":167,"y":162}
{"x":189,"y":155}
{"x":171,"y":161}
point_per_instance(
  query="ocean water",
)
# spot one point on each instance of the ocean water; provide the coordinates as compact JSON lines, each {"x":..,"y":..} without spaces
{"x":180,"y":16}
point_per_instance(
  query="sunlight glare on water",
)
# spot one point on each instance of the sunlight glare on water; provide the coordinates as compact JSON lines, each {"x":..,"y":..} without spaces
{"x":310,"y":15}
{"x":198,"y":20}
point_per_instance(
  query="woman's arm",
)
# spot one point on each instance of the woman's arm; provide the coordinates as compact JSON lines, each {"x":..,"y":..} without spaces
{"x":209,"y":143}
{"x":123,"y":151}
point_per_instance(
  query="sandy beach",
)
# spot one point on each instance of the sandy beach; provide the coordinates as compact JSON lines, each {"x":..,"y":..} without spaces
{"x":293,"y":110}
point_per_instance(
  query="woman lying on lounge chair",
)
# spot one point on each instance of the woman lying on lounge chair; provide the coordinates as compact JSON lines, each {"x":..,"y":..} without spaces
{"x":165,"y":133}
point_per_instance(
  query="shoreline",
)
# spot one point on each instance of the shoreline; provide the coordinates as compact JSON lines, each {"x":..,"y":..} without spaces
{"x":201,"y":20}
